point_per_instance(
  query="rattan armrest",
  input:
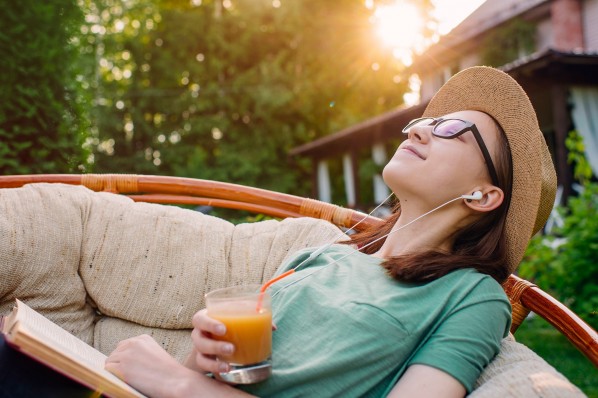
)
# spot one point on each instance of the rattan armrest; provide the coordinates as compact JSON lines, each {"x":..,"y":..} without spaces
{"x":524,"y":296}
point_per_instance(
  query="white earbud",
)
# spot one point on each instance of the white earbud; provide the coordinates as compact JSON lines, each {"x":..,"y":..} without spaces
{"x":477,"y":195}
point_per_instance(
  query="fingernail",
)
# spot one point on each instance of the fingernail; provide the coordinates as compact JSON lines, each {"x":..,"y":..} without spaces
{"x":228,"y":348}
{"x":220,"y":330}
{"x":223,"y":367}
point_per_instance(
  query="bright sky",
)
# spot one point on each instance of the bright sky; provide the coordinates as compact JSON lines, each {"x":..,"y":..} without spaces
{"x":451,"y":12}
{"x":399,"y":24}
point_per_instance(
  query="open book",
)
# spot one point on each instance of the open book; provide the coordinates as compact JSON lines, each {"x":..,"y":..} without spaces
{"x":43,"y":340}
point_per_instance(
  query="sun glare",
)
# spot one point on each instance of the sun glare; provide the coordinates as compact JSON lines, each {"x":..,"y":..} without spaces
{"x":399,"y":25}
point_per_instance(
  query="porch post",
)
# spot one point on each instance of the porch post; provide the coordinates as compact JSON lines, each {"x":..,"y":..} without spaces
{"x":562,"y":125}
{"x":381,"y":191}
{"x":349,"y":175}
{"x":324,"y":188}
{"x":314,"y":178}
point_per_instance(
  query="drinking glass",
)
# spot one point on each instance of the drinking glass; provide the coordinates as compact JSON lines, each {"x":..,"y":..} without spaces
{"x":247,"y":314}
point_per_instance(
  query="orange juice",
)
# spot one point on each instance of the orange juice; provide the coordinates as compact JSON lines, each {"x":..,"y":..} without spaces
{"x":249,"y":329}
{"x":247,"y":314}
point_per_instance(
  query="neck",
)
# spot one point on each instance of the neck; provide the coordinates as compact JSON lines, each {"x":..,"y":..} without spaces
{"x":423,"y":227}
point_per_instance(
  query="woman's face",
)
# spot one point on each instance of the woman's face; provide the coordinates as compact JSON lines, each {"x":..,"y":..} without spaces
{"x":435,"y":169}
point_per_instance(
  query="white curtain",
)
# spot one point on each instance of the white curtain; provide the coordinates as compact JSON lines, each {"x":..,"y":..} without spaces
{"x":585,"y":117}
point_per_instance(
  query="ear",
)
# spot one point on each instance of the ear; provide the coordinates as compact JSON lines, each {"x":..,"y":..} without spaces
{"x":492,"y":197}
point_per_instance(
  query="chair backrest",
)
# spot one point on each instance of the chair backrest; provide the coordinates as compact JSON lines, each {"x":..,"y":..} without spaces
{"x":524,"y":296}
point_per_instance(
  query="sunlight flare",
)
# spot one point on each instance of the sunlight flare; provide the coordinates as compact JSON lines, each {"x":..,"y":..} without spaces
{"x":399,"y":25}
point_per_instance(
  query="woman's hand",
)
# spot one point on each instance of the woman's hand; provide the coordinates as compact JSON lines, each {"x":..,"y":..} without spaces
{"x":205,"y":347}
{"x":203,"y":357}
{"x":141,"y":362}
{"x":145,"y":365}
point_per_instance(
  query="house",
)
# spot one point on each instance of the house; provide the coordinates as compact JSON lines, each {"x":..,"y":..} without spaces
{"x":549,"y":46}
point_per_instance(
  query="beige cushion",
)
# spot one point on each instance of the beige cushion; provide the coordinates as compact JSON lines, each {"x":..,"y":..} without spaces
{"x":65,"y":247}
{"x":153,"y":264}
{"x":41,"y":231}
{"x":518,"y":372}
{"x":150,"y":264}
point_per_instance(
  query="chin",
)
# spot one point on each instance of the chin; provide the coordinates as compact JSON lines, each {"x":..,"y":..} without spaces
{"x":386,"y":175}
{"x":391,"y":183}
{"x":393,"y":175}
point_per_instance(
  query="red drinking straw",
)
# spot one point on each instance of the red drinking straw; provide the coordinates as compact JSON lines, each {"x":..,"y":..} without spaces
{"x":268,"y":284}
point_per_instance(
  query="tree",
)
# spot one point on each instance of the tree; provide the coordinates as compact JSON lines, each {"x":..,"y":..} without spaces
{"x":223,"y":90}
{"x":43,"y":120}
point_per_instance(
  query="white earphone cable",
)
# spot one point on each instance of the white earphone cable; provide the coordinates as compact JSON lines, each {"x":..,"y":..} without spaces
{"x":321,"y":249}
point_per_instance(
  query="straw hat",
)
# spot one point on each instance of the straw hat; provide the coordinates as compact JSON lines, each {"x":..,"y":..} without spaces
{"x":534,"y":180}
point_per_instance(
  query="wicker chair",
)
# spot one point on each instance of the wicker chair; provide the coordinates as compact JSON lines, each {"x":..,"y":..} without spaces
{"x":524,"y":296}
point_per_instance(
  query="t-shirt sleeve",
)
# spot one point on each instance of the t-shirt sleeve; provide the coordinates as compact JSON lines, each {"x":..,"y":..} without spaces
{"x":470,"y":337}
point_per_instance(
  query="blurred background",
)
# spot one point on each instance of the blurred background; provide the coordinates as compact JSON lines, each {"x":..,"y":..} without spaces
{"x":217,"y":89}
{"x":306,"y":97}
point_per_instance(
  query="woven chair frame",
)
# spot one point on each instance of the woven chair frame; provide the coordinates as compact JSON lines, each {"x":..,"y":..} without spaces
{"x":523,"y":295}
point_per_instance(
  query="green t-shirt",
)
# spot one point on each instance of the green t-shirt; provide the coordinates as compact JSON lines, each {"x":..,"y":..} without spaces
{"x":350,"y":330}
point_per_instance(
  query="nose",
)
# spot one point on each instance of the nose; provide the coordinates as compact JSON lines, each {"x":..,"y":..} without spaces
{"x":420,"y":133}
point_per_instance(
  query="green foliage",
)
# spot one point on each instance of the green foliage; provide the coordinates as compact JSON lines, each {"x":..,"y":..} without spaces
{"x":511,"y":41}
{"x":224,"y":93}
{"x":565,"y":261}
{"x":582,"y":171}
{"x":43,"y":121}
{"x":209,"y":89}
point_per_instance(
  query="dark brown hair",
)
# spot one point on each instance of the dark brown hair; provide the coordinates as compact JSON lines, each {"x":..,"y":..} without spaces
{"x":481,"y":245}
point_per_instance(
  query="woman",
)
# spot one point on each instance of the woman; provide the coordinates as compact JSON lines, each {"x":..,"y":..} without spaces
{"x":420,"y":312}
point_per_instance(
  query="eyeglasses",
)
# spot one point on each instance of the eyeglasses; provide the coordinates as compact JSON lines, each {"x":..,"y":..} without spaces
{"x":453,"y":128}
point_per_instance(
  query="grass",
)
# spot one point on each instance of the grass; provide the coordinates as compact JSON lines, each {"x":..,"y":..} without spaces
{"x":547,"y":342}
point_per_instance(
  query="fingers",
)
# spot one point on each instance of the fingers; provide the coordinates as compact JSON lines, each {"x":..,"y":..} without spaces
{"x":114,"y":368}
{"x":205,"y":328}
{"x":142,"y":362}
{"x":124,"y":347}
{"x":203,"y":322}
{"x":206,"y":345}
{"x":119,"y":361}
{"x":207,"y":348}
{"x":211,"y":364}
{"x":141,"y":339}
{"x":206,"y":359}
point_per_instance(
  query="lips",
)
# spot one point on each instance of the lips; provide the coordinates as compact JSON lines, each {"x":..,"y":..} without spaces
{"x":414,"y":151}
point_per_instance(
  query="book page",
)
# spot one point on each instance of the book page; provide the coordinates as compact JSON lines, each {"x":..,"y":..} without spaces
{"x":59,"y":349}
{"x":41,"y":326}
